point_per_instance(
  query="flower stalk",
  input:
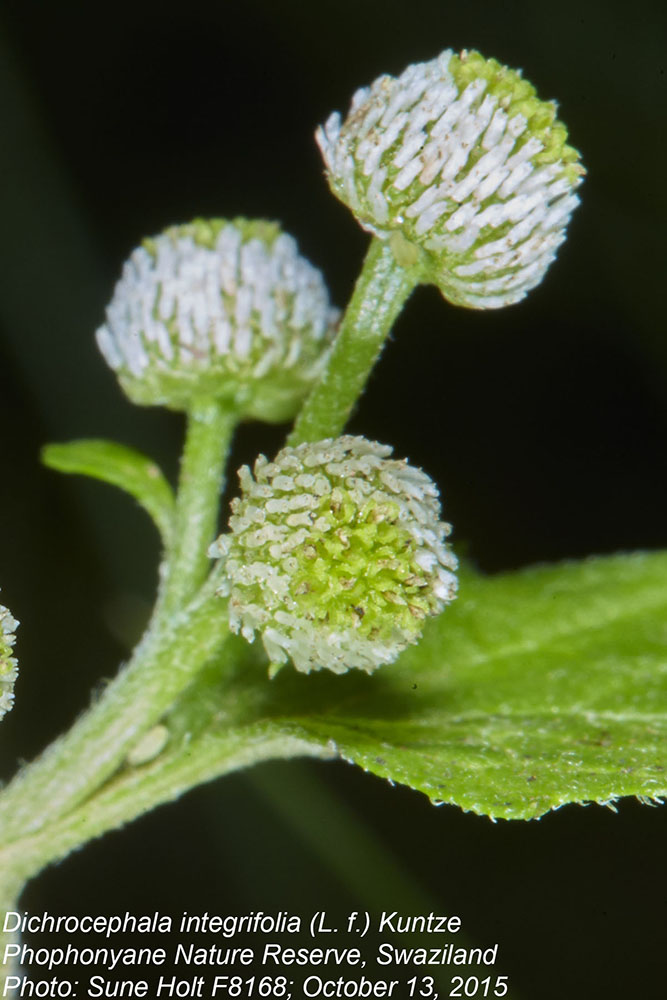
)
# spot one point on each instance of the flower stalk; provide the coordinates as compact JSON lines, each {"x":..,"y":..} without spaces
{"x":210,"y":428}
{"x":379,"y":295}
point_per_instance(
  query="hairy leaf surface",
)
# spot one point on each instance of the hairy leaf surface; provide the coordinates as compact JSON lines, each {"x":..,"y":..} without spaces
{"x":533,"y":690}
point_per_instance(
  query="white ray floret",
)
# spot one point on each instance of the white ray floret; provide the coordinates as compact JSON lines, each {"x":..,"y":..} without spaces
{"x":456,"y":153}
{"x":218,"y":308}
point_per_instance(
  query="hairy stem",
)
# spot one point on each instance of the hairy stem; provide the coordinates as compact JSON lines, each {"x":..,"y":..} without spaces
{"x":16,"y":867}
{"x":379,"y":295}
{"x":140,"y":789}
{"x":135,"y":791}
{"x":74,"y":765}
{"x":179,"y":640}
{"x":209,"y":432}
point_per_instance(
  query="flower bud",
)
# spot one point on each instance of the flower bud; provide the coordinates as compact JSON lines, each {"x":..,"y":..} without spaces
{"x":228,"y":310}
{"x":466,"y":171}
{"x":8,"y":666}
{"x":336,"y":555}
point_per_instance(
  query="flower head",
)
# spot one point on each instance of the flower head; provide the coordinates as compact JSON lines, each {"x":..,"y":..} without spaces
{"x":464,"y":168}
{"x":336,"y":555}
{"x":223,"y":309}
{"x":8,"y":666}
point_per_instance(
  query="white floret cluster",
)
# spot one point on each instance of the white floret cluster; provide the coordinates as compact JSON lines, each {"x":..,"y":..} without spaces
{"x":228,"y":309}
{"x":462,"y":158}
{"x":8,"y":665}
{"x":336,"y":555}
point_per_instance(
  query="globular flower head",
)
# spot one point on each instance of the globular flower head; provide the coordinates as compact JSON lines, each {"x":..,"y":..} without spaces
{"x":336,"y":555}
{"x":462,"y":166}
{"x":222,"y":309}
{"x":8,"y":667}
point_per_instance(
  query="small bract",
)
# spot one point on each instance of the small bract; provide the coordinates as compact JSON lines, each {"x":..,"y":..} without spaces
{"x":336,"y":556}
{"x":8,"y":665}
{"x":228,"y":310}
{"x":465,"y":170}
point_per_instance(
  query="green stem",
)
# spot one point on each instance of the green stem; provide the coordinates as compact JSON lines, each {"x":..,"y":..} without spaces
{"x":135,"y":791}
{"x":76,"y":764}
{"x":379,"y":295}
{"x":138,"y":790}
{"x":16,"y":867}
{"x":208,"y":437}
{"x":178,"y":642}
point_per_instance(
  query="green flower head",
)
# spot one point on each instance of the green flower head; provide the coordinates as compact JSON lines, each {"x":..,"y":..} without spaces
{"x":228,"y":310}
{"x":463,"y":168}
{"x":8,"y":665}
{"x":336,"y":555}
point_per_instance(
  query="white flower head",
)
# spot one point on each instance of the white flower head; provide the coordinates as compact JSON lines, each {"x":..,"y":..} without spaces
{"x":336,"y":556}
{"x":8,"y":665}
{"x":223,"y":309}
{"x":462,"y":166}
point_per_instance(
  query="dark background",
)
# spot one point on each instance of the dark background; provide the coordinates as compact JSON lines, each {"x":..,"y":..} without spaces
{"x":544,"y":424}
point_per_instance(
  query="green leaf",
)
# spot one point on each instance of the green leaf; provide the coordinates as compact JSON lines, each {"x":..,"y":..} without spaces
{"x":533,"y":690}
{"x":124,"y":467}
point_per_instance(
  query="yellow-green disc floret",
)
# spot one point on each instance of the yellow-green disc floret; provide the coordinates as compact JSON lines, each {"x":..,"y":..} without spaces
{"x":8,"y":666}
{"x":459,"y":158}
{"x":336,"y":555}
{"x":225,"y":309}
